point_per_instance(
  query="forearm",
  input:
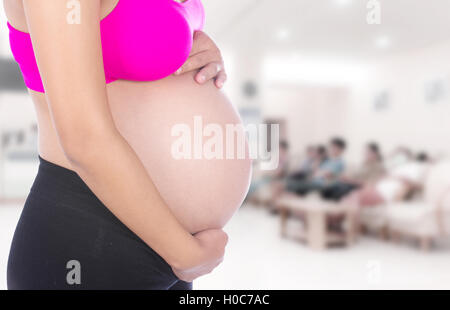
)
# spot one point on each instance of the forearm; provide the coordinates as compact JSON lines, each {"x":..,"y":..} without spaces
{"x":113,"y":171}
{"x":70,"y":61}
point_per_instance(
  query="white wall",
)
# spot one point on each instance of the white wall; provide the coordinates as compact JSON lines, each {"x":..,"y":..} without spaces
{"x":16,"y":111}
{"x":315,"y":113}
{"x":408,"y":120}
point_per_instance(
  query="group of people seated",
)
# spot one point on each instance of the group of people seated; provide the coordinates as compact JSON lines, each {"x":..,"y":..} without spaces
{"x":377,"y":180}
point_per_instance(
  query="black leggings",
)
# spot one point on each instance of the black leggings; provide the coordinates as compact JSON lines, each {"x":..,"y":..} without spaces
{"x":67,"y":239}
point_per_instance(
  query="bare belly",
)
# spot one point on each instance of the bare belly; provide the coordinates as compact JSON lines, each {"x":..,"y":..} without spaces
{"x":202,"y":191}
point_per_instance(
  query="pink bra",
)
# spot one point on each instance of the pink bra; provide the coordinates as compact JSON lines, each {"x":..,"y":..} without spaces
{"x":142,"y":40}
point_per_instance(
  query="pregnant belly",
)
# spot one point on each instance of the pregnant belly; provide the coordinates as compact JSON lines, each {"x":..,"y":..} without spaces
{"x":166,"y":123}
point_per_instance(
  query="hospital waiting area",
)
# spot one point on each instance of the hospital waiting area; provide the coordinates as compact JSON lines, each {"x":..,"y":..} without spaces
{"x":360,"y":93}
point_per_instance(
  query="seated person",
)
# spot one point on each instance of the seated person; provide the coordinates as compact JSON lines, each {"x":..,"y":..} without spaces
{"x":399,"y":156}
{"x":402,"y":180}
{"x":371,"y":170}
{"x":272,"y":176}
{"x":321,"y":157}
{"x":327,"y":173}
{"x":283,"y":163}
{"x":315,"y":156}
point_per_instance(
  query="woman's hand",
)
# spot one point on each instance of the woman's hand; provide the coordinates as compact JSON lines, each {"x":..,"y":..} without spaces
{"x":212,"y":249}
{"x":206,"y":58}
{"x":71,"y":66}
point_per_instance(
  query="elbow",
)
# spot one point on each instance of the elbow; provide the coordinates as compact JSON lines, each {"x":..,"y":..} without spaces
{"x":78,"y":150}
{"x":82,"y":148}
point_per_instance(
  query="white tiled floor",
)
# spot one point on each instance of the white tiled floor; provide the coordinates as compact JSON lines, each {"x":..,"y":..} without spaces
{"x":258,"y":259}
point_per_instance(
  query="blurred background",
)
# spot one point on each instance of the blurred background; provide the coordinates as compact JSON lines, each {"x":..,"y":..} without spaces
{"x":360,"y":90}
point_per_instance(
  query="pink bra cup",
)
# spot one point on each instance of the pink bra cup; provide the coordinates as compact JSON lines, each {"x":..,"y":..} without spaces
{"x":142,"y":40}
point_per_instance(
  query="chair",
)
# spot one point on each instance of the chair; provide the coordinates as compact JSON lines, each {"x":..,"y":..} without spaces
{"x":374,"y":219}
{"x":425,"y":220}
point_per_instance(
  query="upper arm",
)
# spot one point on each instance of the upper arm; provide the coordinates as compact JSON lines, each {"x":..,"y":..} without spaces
{"x":69,"y":57}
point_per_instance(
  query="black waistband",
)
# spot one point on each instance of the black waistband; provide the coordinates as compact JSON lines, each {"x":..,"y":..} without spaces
{"x":64,"y":189}
{"x":64,"y":186}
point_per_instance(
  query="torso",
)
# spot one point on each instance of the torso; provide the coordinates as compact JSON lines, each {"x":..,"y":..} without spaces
{"x":202,"y":193}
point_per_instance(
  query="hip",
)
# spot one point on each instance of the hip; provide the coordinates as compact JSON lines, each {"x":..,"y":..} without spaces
{"x":64,"y":222}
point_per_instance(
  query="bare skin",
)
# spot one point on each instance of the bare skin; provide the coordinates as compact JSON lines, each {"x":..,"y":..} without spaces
{"x":76,"y":126}
{"x":202,"y":193}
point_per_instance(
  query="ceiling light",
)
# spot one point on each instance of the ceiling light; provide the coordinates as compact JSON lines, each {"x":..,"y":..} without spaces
{"x":283,"y":34}
{"x":383,"y":42}
{"x":315,"y":70}
{"x":342,"y":2}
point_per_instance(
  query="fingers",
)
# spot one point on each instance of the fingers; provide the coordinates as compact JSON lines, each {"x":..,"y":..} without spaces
{"x":200,"y":60}
{"x":224,"y":238}
{"x":214,"y":71}
{"x":224,"y":244}
{"x":191,"y":275}
{"x":220,"y":243}
{"x":221,"y":79}
{"x":205,"y":57}
{"x":209,"y":72}
{"x":187,"y":278}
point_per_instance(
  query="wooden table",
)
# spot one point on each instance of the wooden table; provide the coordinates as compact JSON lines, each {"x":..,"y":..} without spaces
{"x":315,"y":213}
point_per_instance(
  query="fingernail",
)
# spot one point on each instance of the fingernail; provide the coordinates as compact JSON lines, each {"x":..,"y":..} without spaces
{"x":178,"y":71}
{"x":220,"y":84}
{"x":201,"y":78}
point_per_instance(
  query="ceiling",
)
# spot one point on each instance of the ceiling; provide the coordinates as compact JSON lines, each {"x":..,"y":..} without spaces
{"x":328,"y":27}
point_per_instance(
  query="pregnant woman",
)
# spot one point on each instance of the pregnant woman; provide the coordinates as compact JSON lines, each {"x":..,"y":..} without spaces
{"x":111,"y":206}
